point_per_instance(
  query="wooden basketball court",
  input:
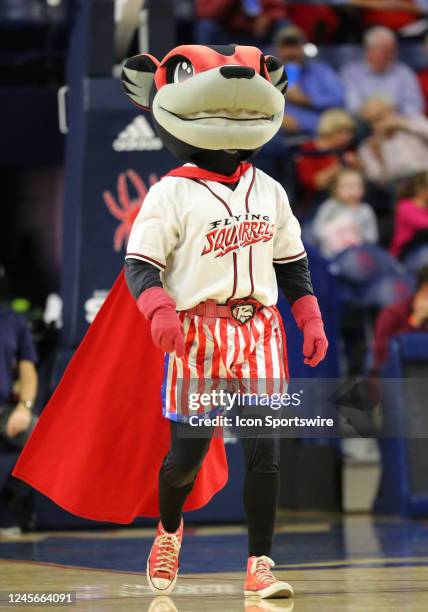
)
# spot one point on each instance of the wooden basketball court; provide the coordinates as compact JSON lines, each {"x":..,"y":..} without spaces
{"x":350,"y":565}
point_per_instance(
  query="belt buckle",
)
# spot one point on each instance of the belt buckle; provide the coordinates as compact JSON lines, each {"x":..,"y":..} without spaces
{"x":243,"y":310}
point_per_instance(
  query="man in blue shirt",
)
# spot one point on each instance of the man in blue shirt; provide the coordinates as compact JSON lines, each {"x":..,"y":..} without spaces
{"x":380,"y":73}
{"x":313,"y":86}
{"x":17,"y":362}
{"x":17,"y":358}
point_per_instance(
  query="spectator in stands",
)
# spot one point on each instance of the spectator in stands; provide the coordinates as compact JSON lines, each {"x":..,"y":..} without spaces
{"x":251,"y":22}
{"x":398,"y":144}
{"x":313,"y":86}
{"x":411,"y":217}
{"x":344,"y":219}
{"x":17,"y":360}
{"x":380,"y":72}
{"x":408,"y":316}
{"x":423,"y":79}
{"x":319,"y":161}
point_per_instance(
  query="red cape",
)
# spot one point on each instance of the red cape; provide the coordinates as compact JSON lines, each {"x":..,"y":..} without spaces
{"x":98,"y":446}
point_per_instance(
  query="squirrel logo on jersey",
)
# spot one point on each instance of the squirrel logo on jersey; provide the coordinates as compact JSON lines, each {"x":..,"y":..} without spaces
{"x":237,"y":232}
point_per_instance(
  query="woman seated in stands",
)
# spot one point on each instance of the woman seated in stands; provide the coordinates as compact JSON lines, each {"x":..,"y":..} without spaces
{"x":411,"y":217}
{"x":406,"y":316}
{"x":422,"y":75}
{"x":398,"y":144}
{"x":319,"y":161}
{"x":344,"y":219}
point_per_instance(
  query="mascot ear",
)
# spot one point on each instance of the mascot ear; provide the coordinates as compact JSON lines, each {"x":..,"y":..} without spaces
{"x":138,"y":74}
{"x":277,"y":73}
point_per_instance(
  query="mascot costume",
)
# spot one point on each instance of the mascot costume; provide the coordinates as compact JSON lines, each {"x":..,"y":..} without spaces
{"x":195,"y":304}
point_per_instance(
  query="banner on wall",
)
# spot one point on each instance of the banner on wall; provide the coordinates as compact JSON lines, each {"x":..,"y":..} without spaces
{"x":122,"y":156}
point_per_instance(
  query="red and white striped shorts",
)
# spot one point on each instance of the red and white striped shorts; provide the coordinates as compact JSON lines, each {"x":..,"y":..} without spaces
{"x":222,"y":355}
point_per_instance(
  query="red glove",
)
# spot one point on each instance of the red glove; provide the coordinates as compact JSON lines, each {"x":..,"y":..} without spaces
{"x":308,"y":318}
{"x":167,"y":330}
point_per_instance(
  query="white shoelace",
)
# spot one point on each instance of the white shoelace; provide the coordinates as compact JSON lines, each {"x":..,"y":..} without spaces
{"x":169,"y":547}
{"x":260,"y":567}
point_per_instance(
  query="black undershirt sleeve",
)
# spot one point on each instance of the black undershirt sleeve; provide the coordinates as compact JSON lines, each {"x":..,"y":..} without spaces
{"x":294,"y":279}
{"x":141,"y":275}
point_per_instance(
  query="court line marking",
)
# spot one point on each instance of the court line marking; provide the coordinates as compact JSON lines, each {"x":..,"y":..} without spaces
{"x":373,"y":562}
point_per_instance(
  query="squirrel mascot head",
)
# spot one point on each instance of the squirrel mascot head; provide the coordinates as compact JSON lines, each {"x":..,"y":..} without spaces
{"x":210,"y":101}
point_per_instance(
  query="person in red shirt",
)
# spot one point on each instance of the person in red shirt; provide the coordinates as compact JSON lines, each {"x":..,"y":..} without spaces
{"x":245,"y":21}
{"x":408,"y":316}
{"x":411,"y":216}
{"x":423,"y":82}
{"x":422,"y":75}
{"x":319,"y":161}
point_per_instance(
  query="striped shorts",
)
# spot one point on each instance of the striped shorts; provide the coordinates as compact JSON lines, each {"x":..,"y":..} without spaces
{"x":249,"y":358}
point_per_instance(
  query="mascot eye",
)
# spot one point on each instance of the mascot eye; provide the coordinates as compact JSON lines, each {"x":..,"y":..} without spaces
{"x":183,"y":71}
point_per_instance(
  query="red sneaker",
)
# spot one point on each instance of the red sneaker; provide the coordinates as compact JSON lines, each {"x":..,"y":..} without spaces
{"x":162,"y":564}
{"x":261,"y":582}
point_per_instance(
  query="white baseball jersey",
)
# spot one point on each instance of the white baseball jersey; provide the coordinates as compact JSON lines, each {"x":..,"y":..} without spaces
{"x":214,"y":243}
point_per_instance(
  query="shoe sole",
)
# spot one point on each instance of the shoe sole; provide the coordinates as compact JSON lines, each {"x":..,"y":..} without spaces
{"x":275,"y":591}
{"x":154,"y":589}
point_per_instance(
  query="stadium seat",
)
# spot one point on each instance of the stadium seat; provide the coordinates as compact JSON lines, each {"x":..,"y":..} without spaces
{"x":403,"y":489}
{"x":416,"y":258}
{"x":364,"y":264}
{"x":387,"y":290}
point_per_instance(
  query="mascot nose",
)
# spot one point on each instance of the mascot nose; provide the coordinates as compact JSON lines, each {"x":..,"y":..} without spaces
{"x":237,"y":72}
